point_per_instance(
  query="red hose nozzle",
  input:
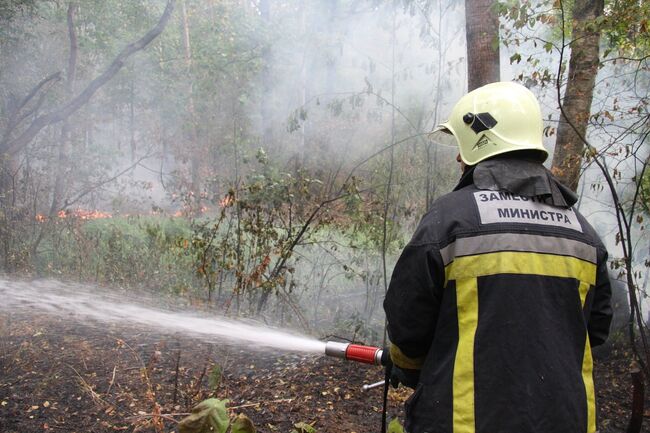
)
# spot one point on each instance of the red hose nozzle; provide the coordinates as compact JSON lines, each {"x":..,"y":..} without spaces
{"x":356,"y":352}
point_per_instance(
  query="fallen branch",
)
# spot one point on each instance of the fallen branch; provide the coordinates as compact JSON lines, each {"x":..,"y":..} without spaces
{"x":170,"y":416}
{"x":282,"y":400}
{"x":110,"y":385}
{"x":167,"y":416}
{"x":85,"y":385}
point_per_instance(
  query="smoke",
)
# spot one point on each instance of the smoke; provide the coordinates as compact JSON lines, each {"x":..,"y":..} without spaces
{"x":346,"y":69}
{"x":322,"y":85}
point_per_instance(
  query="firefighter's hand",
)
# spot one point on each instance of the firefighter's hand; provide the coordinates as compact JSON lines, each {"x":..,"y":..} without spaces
{"x":405,"y":376}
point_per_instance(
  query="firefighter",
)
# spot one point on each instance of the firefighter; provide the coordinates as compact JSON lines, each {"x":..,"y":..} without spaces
{"x":494,"y":305}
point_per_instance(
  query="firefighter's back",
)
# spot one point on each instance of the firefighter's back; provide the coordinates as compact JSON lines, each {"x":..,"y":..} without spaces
{"x":511,"y":352}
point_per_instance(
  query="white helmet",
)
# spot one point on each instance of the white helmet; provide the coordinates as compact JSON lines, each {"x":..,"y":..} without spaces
{"x":493,"y":119}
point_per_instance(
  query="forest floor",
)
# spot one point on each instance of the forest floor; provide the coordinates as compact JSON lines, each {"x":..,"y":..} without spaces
{"x":59,"y":376}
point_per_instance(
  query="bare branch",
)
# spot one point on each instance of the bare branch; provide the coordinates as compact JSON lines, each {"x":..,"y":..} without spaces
{"x":80,"y":100}
{"x":99,"y":184}
{"x":15,"y":118}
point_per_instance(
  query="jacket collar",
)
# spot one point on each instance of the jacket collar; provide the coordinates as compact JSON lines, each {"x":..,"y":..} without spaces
{"x":524,"y":177}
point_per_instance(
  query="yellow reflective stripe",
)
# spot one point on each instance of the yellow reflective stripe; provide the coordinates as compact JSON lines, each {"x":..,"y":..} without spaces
{"x":587,"y":371}
{"x":588,"y":378}
{"x":515,"y":262}
{"x":403,"y":361}
{"x":465,"y":270}
{"x":463,"y":382}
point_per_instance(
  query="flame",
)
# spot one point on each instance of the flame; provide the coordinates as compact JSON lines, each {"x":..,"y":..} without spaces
{"x":82,"y":214}
{"x":90,"y":215}
{"x":188,"y":211}
{"x":227,"y":201}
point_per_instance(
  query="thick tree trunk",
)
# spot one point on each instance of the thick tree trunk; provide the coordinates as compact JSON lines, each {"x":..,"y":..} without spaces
{"x":482,"y":28}
{"x":583,"y":67}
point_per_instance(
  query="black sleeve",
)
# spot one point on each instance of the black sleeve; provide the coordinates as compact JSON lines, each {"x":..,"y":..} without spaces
{"x":411,"y":305}
{"x":600,"y":316}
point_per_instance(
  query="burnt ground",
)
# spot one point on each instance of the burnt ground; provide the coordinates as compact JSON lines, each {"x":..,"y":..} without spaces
{"x":60,"y":376}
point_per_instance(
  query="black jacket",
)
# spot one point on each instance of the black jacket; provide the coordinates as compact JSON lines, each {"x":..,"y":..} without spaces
{"x":499,"y":297}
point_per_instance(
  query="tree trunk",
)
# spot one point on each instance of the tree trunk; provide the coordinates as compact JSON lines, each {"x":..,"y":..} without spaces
{"x":333,"y":46}
{"x":7,"y":208}
{"x":64,"y":143}
{"x":12,"y":145}
{"x":583,"y":67}
{"x":195,"y":165}
{"x":267,"y":131}
{"x":18,"y":133}
{"x":63,"y":161}
{"x":482,"y":27}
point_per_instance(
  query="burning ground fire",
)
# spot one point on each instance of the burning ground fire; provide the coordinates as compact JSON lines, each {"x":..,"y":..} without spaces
{"x":85,"y":214}
{"x":82,"y":214}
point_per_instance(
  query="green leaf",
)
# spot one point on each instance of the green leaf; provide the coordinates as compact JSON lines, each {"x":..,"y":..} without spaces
{"x":209,"y":416}
{"x":394,"y":426}
{"x":215,"y":377}
{"x":303,"y":427}
{"x":516,"y":57}
{"x":242,"y":424}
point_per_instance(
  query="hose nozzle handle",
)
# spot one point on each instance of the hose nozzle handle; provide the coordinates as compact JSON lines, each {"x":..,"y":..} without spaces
{"x":356,"y":352}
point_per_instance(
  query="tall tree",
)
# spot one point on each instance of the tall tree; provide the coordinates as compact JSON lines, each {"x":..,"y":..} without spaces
{"x":193,"y":135}
{"x":482,"y":29}
{"x":64,"y":142}
{"x":267,"y":131}
{"x":576,"y":106}
{"x":26,"y":117}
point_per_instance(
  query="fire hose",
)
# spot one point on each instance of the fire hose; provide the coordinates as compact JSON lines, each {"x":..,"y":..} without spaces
{"x":366,"y":355}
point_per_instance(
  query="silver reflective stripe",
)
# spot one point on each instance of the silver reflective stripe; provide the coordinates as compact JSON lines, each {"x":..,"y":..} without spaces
{"x":517,"y":242}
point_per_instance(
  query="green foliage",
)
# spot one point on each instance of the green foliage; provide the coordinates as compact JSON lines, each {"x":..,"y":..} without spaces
{"x":532,"y":26}
{"x":209,"y":416}
{"x":303,"y":427}
{"x":644,"y":192}
{"x":127,"y":251}
{"x":626,"y":27}
{"x":214,"y":380}
{"x":242,"y":424}
{"x":394,"y":426}
{"x":252,"y":240}
{"x":10,"y":8}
